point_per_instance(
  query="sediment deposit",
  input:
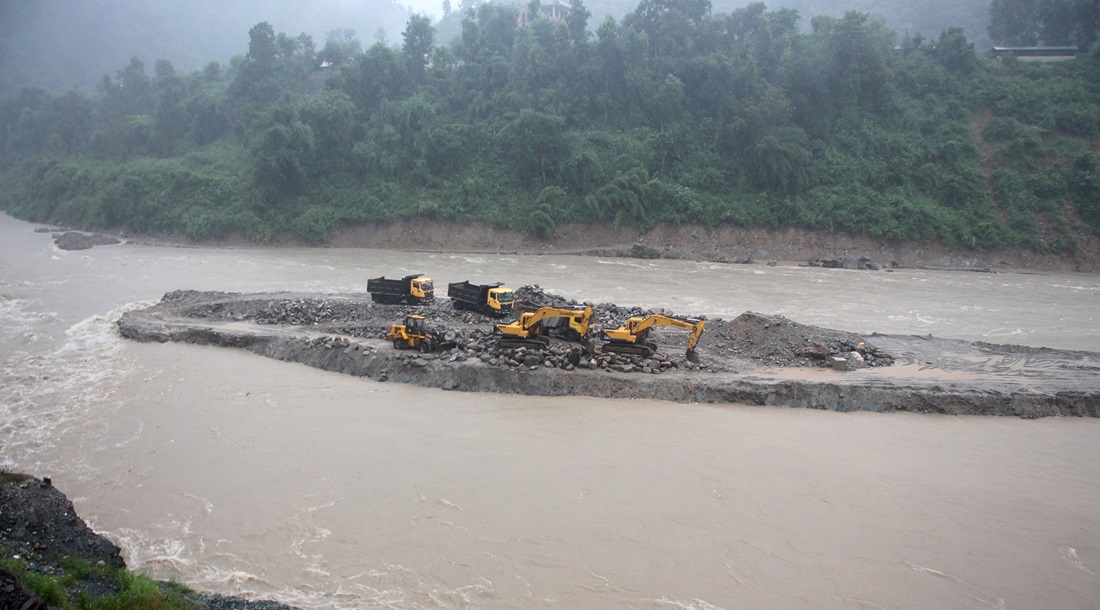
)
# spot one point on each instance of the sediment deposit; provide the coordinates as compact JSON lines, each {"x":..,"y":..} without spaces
{"x":754,"y":359}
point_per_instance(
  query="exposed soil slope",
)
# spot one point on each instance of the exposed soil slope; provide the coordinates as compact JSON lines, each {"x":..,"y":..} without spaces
{"x":727,"y":244}
{"x":722,"y":243}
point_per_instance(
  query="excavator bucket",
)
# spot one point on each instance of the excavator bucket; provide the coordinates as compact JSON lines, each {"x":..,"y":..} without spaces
{"x":589,"y":345}
{"x":692,"y":356}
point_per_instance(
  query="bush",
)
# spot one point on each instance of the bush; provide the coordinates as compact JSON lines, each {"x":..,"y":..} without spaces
{"x":314,"y":224}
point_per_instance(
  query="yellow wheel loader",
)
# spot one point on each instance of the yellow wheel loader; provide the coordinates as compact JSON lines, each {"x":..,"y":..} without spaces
{"x":414,"y":334}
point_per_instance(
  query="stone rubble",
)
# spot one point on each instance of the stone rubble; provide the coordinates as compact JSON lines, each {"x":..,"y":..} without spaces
{"x":758,"y":338}
{"x":741,"y":360}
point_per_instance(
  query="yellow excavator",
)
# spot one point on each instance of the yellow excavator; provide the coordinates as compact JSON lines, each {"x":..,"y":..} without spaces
{"x":534,"y":328}
{"x":631,"y":338}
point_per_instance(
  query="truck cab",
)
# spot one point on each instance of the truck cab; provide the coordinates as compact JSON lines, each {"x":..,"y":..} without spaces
{"x":501,"y":299}
{"x":422,"y":288}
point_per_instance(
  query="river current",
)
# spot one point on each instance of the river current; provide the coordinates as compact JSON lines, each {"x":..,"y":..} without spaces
{"x":238,"y":474}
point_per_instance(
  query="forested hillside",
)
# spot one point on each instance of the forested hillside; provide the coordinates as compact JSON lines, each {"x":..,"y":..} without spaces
{"x":907,"y":18}
{"x":674,"y":114}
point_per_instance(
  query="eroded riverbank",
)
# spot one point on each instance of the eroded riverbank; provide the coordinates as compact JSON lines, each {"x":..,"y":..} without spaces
{"x":754,"y":359}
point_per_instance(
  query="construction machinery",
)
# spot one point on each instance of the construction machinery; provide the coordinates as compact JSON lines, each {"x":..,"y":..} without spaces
{"x":412,"y":289}
{"x":491,"y":299}
{"x":534,"y":328}
{"x":415,"y":334}
{"x":632,"y":337}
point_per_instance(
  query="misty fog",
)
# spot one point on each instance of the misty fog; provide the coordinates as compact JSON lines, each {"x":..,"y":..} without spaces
{"x":58,"y":44}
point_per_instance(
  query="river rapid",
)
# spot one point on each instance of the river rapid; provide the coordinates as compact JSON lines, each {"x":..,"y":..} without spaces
{"x":238,"y":474}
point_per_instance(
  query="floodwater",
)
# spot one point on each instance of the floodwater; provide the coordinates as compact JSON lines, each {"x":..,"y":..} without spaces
{"x":238,"y":474}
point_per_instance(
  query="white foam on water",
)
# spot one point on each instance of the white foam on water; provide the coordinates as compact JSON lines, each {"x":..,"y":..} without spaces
{"x":43,"y":392}
{"x":1070,"y":554}
{"x":688,"y":604}
{"x":1075,"y":288}
{"x":1004,"y":332}
{"x":19,"y":323}
{"x":166,"y":555}
{"x":619,"y":263}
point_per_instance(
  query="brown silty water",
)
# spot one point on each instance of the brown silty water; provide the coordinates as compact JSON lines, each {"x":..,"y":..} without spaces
{"x":238,"y":474}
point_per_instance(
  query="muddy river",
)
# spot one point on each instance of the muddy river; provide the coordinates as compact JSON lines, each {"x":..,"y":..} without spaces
{"x":239,"y":474}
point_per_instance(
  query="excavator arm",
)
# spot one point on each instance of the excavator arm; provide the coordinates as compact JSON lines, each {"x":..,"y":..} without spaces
{"x":631,"y":337}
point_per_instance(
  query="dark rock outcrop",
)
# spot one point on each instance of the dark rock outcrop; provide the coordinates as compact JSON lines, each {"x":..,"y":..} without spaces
{"x":73,"y":240}
{"x":39,"y":526}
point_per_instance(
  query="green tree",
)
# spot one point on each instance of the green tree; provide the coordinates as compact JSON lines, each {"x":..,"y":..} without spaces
{"x":780,"y":161}
{"x":419,"y":40}
{"x":540,"y":219}
{"x":534,"y":143}
{"x":331,"y":118}
{"x":341,"y":46}
{"x":170,"y":118}
{"x":256,"y":79}
{"x":377,"y":75}
{"x":283,"y":157}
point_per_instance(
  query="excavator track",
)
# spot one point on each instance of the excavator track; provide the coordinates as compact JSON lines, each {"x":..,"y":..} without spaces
{"x":506,"y":342}
{"x":644,"y":350}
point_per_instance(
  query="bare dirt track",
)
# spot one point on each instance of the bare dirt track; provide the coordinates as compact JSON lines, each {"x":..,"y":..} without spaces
{"x":754,"y":359}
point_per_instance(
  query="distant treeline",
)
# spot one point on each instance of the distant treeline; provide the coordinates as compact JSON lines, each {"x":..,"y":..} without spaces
{"x":675,"y":114}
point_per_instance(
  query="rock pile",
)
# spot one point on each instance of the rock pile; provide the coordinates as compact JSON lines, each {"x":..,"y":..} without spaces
{"x":758,"y":338}
{"x":999,"y":380}
{"x":73,"y":240}
{"x":559,"y":355}
{"x":778,"y":341}
{"x":848,"y":262}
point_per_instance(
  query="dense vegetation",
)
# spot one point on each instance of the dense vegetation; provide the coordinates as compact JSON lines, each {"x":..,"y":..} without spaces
{"x":675,"y":114}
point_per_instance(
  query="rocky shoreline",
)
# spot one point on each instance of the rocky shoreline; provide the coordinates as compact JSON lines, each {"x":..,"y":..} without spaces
{"x":755,"y":359}
{"x":41,"y":532}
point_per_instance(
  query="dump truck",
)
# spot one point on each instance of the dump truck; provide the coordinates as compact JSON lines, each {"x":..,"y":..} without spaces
{"x":415,"y":334}
{"x":414,"y":289}
{"x":632,"y":337}
{"x":534,"y":328}
{"x":490,"y":299}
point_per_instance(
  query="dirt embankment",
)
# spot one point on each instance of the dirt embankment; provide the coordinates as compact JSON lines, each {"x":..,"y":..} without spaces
{"x":722,"y":244}
{"x":754,"y":359}
{"x":726,"y":244}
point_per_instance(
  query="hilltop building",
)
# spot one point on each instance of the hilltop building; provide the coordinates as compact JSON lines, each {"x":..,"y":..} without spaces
{"x":555,"y":11}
